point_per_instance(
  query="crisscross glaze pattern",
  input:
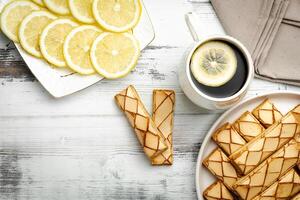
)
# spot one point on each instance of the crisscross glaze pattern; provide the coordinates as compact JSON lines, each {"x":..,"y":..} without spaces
{"x":146,"y":131}
{"x":297,"y":197}
{"x":268,"y":172}
{"x":248,"y":126}
{"x":283,"y":189}
{"x":267,"y":113}
{"x":220,"y":166}
{"x":277,"y":135}
{"x":217,"y":191}
{"x":163,"y":117}
{"x":228,"y":139}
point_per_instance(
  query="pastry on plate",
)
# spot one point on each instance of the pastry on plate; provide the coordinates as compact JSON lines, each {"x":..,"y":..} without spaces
{"x":261,"y":147}
{"x":297,"y":197}
{"x":219,"y":165}
{"x":248,"y":126}
{"x":269,"y":171}
{"x":228,"y":139}
{"x":285,"y":188}
{"x":217,"y":191}
{"x":267,"y":113}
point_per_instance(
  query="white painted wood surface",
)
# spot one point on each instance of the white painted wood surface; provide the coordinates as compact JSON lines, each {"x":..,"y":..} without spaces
{"x":81,"y":146}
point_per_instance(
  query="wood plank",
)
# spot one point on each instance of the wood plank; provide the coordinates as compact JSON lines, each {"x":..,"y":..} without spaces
{"x":86,"y":154}
{"x":81,"y":146}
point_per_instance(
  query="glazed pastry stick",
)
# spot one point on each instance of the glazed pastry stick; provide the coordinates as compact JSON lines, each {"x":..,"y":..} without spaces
{"x":217,"y":191}
{"x":260,"y":148}
{"x":283,"y":189}
{"x":267,"y":113}
{"x":163,"y":117}
{"x":219,"y":165}
{"x":146,"y":131}
{"x":269,"y":171}
{"x":228,"y":139}
{"x":248,"y":126}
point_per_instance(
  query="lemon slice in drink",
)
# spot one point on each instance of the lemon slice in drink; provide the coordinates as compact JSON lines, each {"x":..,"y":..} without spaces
{"x":31,"y":29}
{"x":58,"y":6}
{"x":82,"y":10}
{"x":114,"y":55}
{"x":12,"y":16}
{"x":52,"y":40}
{"x":39,"y":2}
{"x":77,"y":48}
{"x":117,"y":15}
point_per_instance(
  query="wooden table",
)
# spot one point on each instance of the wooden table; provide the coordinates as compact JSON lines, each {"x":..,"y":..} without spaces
{"x":81,"y":146}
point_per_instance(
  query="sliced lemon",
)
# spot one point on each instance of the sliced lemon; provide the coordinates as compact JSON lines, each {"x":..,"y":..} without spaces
{"x":52,"y":40}
{"x":114,"y":55}
{"x":77,"y":48}
{"x":12,"y":16}
{"x":58,"y":6}
{"x":39,"y":2}
{"x":82,"y":10}
{"x":117,"y":15}
{"x":214,"y":63}
{"x":31,"y":29}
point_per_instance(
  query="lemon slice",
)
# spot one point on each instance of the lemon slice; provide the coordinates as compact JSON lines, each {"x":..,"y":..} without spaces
{"x":214,"y":63}
{"x":12,"y":16}
{"x":58,"y":6}
{"x":82,"y":10}
{"x":114,"y":55}
{"x":39,"y":2}
{"x":117,"y":15}
{"x":31,"y":29}
{"x":77,"y":48}
{"x":52,"y":41}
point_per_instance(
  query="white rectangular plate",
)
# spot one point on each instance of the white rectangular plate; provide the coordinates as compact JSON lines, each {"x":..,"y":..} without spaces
{"x":62,"y":82}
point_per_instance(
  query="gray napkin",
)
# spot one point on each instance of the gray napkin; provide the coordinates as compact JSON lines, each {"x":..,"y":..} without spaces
{"x":293,"y":11}
{"x":270,"y":29}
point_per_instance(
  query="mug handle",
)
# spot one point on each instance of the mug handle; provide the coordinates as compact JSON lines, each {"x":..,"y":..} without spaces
{"x":194,"y":23}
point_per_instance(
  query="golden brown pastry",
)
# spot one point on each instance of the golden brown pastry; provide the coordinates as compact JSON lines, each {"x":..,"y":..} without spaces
{"x":228,"y":139}
{"x":258,"y":149}
{"x":217,"y":191}
{"x":267,"y":113}
{"x":269,"y":171}
{"x":163,"y":117}
{"x":283,"y":189}
{"x":248,"y":126}
{"x":219,"y":165}
{"x":151,"y":139}
{"x":297,"y":197}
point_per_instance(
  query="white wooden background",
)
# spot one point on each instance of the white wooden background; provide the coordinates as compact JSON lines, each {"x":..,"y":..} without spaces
{"x":81,"y":146}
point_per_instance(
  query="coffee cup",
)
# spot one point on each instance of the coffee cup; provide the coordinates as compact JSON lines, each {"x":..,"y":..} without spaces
{"x":214,"y":98}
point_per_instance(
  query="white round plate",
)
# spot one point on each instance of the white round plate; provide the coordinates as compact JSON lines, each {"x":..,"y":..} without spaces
{"x":284,"y":101}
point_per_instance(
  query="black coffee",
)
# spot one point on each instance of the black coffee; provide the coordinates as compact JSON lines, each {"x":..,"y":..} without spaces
{"x":232,"y":86}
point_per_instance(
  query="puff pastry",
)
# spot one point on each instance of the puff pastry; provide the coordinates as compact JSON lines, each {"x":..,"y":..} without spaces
{"x":267,"y":113}
{"x":261,"y":147}
{"x":163,"y":117}
{"x":151,"y":139}
{"x":269,"y":171}
{"x":248,"y":126}
{"x":283,"y":189}
{"x":217,"y":191}
{"x":228,"y":139}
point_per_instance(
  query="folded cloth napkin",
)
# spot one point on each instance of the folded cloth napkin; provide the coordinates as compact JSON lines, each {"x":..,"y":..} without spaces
{"x":293,"y":11}
{"x":270,"y":29}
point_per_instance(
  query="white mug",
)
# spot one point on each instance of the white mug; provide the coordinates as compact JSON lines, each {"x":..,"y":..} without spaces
{"x":200,"y":36}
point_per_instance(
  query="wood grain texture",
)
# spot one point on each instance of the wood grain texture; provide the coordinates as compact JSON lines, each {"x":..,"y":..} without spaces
{"x":81,"y":146}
